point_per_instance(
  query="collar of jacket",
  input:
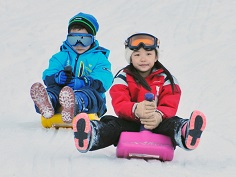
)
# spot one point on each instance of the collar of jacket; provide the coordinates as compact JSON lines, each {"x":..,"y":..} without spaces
{"x":156,"y":71}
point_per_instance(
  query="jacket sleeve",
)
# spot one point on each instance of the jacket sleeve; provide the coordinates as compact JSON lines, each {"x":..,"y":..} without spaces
{"x":49,"y":80}
{"x":121,"y":99}
{"x":56,"y":64}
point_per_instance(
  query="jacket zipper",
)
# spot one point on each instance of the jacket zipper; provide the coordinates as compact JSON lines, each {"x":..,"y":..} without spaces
{"x":76,"y":60}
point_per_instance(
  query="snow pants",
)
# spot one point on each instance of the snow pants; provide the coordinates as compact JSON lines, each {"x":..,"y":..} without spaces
{"x":109,"y":128}
{"x":96,"y":103}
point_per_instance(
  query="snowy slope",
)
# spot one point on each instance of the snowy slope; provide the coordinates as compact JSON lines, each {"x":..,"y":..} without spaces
{"x":198,"y":41}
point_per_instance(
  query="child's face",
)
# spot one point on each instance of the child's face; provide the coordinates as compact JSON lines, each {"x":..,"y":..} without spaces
{"x":80,"y":49}
{"x":143,"y":61}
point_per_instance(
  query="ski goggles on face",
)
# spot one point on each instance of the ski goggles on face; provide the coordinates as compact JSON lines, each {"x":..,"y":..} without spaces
{"x":83,"y":39}
{"x":147,"y":41}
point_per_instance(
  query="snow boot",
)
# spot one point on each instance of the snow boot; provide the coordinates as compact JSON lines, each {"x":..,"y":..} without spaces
{"x":194,"y":128}
{"x":42,"y":100}
{"x":83,"y":129}
{"x":67,"y":101}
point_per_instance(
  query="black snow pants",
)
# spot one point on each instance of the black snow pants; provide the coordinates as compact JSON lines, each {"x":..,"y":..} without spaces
{"x":109,"y":128}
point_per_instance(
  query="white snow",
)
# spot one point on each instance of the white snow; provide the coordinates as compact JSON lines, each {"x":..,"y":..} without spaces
{"x":198,"y":45}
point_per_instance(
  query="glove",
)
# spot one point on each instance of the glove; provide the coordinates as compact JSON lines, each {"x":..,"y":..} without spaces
{"x":76,"y":83}
{"x":152,"y":121}
{"x":145,"y":109}
{"x":62,"y":77}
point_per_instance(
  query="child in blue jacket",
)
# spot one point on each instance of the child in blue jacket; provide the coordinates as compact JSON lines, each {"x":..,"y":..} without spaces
{"x":78,"y":76}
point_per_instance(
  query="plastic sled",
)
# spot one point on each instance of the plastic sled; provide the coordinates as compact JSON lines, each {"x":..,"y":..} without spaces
{"x":56,"y":121}
{"x":146,"y":145}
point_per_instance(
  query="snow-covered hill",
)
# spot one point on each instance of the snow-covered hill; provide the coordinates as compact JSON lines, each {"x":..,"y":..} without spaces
{"x":198,"y":41}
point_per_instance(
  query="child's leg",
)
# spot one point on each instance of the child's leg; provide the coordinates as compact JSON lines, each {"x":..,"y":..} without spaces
{"x":42,"y":100}
{"x":184,"y":133}
{"x":74,"y":102}
{"x":94,"y":135}
{"x":88,"y":100}
{"x":171,"y":127}
{"x":109,"y":129}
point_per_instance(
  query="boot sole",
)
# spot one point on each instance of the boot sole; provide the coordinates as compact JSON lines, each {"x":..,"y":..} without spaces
{"x":82,"y":129}
{"x":39,"y":95}
{"x":195,"y":127}
{"x":67,"y":101}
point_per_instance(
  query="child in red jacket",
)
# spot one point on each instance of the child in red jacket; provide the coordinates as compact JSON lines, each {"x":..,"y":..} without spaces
{"x":143,"y":74}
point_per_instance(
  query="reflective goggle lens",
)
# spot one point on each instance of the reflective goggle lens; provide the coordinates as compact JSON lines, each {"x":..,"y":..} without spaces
{"x":144,"y":40}
{"x":83,"y":39}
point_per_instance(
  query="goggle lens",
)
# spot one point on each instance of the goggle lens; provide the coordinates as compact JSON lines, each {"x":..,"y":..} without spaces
{"x":83,"y":39}
{"x":144,"y":40}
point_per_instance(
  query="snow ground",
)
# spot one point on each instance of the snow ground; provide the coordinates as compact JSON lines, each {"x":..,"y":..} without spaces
{"x":198,"y":41}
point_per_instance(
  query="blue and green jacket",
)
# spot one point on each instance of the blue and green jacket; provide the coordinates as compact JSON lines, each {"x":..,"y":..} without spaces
{"x":92,"y":65}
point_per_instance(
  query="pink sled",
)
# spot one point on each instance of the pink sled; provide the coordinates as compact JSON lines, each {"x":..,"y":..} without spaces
{"x":145,"y":144}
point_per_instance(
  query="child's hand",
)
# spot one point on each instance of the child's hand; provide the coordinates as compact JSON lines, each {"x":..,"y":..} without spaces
{"x":76,"y":83}
{"x":152,"y":121}
{"x":62,"y":77}
{"x":145,"y":109}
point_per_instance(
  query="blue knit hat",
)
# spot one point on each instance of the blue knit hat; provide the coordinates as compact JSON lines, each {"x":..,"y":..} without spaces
{"x":88,"y":21}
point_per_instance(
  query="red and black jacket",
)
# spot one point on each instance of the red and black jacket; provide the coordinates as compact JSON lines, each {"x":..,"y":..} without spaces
{"x":126,"y":93}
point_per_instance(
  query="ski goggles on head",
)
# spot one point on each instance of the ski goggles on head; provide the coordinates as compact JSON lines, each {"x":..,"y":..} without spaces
{"x":147,"y":41}
{"x":83,"y":39}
